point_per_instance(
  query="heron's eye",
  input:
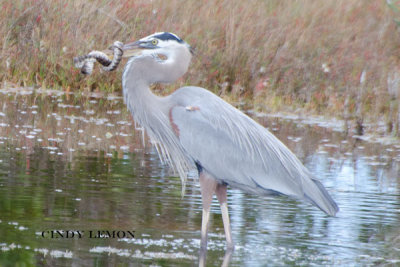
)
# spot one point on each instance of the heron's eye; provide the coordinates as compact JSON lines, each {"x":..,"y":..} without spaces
{"x":154,"y":42}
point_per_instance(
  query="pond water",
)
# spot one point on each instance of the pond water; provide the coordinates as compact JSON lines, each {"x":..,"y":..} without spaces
{"x":76,"y":164}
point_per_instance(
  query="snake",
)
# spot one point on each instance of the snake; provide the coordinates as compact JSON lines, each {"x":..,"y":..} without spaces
{"x":86,"y":62}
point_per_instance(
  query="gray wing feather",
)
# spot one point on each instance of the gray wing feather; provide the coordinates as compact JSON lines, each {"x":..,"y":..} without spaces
{"x":240,"y":152}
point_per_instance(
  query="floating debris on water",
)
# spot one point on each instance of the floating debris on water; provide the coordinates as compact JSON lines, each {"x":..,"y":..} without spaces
{"x":295,"y":139}
{"x":142,"y":255}
{"x":109,"y":135}
{"x":89,"y":112}
{"x":54,"y":253}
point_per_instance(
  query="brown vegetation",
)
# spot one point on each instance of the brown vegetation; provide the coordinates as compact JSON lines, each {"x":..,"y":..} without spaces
{"x":334,"y":57}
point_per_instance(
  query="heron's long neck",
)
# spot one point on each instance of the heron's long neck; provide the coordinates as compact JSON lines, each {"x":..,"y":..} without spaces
{"x":146,"y":107}
{"x":142,"y":71}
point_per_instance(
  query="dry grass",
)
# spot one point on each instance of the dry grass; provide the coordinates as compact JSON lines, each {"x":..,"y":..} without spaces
{"x":303,"y":54}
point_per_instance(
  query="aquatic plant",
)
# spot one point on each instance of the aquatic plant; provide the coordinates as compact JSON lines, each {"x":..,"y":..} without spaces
{"x":279,"y":55}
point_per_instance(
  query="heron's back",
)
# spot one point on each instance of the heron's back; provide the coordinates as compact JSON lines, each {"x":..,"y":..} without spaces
{"x":240,"y":152}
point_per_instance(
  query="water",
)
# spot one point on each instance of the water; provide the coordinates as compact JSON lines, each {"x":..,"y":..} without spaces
{"x":76,"y":163}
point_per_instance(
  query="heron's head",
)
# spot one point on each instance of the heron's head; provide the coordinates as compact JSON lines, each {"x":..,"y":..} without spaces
{"x":160,"y":43}
{"x":165,"y":54}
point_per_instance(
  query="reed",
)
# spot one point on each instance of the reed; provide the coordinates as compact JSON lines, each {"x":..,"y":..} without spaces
{"x":338,"y":58}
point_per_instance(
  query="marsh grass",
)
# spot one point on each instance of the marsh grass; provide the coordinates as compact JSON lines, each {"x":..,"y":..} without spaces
{"x":279,"y":54}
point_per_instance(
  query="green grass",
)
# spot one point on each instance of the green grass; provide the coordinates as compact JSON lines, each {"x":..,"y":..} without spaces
{"x":273,"y":52}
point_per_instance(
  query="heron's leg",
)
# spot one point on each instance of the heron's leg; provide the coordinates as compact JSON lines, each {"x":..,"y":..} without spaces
{"x":207,"y":186}
{"x":221,"y":195}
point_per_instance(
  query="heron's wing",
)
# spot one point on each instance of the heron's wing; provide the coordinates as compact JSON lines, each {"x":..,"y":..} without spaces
{"x":237,"y":150}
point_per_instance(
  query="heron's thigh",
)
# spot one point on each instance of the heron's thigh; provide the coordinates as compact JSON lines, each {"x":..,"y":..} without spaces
{"x":221,"y":192}
{"x":208,"y":186}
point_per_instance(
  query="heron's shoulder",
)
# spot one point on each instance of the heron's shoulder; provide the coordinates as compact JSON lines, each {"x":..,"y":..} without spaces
{"x":190,"y":95}
{"x":193,"y":91}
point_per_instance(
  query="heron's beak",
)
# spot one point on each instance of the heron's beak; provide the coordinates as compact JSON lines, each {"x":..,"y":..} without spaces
{"x":132,"y":49}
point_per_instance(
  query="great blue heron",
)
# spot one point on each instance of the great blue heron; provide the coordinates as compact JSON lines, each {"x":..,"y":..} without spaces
{"x":193,"y":127}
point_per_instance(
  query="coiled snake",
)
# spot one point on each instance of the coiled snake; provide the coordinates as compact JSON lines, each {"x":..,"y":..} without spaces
{"x":86,"y":62}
